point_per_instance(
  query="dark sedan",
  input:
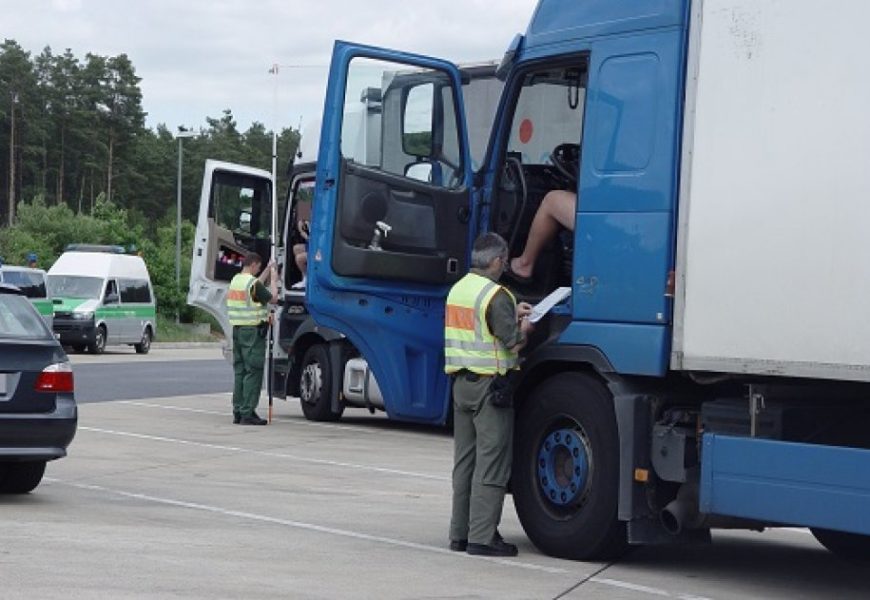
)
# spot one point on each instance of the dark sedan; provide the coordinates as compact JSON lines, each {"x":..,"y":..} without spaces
{"x":37,"y":407}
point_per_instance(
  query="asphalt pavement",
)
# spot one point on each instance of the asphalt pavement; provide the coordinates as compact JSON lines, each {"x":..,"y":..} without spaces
{"x":163,"y":497}
{"x":121,"y":374}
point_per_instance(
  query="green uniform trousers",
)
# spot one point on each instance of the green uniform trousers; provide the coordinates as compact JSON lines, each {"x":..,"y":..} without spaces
{"x":249,"y":357}
{"x":483,"y":448}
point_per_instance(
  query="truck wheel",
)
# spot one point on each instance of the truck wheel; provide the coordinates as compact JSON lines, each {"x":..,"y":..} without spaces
{"x":315,"y":385}
{"x":99,"y":345}
{"x":566,"y":469}
{"x":145,"y":344}
{"x":851,"y":546}
{"x":21,"y":477}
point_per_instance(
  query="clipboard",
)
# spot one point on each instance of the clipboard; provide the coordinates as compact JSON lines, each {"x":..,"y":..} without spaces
{"x":547,"y":304}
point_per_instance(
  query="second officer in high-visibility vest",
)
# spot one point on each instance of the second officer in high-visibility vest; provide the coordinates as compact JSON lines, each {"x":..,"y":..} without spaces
{"x":484,"y":331}
{"x":247,"y":308}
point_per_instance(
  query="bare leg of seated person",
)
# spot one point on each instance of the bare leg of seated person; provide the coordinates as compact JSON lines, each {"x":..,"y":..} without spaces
{"x":558,"y":209}
{"x":300,"y":257}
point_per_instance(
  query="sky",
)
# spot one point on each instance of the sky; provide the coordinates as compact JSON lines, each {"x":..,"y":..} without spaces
{"x":199,"y":57}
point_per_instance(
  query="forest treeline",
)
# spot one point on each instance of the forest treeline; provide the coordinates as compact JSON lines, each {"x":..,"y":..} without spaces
{"x":74,"y":147}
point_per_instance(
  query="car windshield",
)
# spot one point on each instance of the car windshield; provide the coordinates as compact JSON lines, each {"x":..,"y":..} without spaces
{"x":18,"y":319}
{"x":31,"y":283}
{"x":74,"y":286}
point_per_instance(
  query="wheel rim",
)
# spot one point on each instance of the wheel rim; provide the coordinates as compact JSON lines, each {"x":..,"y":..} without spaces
{"x":101,"y":339}
{"x":311,"y":383}
{"x":146,"y":340}
{"x":564,"y":467}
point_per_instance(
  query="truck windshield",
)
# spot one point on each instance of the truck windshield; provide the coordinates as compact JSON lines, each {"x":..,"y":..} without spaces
{"x":31,"y":283}
{"x":74,"y":286}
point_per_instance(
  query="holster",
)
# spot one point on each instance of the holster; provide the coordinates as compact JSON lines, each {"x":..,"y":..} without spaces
{"x":501,"y":390}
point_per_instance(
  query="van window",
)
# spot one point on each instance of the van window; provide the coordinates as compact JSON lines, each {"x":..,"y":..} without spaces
{"x":75,"y":286}
{"x":111,"y":290}
{"x":31,"y":284}
{"x":135,"y":290}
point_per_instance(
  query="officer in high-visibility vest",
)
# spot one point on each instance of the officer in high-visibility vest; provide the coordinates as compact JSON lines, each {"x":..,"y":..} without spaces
{"x":247,"y":300}
{"x":484,"y":331}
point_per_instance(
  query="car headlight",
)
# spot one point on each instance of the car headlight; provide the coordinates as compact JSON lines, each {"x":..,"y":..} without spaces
{"x":84,"y":316}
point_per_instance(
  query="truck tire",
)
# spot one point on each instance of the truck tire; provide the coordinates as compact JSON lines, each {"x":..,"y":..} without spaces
{"x":851,"y":546}
{"x":315,"y":385}
{"x":566,"y":469}
{"x":21,"y":477}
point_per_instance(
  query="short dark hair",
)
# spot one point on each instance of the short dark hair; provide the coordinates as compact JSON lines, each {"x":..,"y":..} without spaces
{"x":487,"y":247}
{"x":252,"y":258}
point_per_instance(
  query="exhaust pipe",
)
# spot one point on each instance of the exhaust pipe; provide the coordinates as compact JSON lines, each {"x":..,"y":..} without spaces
{"x":682,"y":512}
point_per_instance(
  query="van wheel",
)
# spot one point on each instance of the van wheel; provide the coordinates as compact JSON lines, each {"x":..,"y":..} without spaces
{"x":315,"y":385}
{"x":99,"y":345}
{"x":566,"y":469}
{"x":145,"y":345}
{"x":78,"y":348}
{"x":21,"y":477}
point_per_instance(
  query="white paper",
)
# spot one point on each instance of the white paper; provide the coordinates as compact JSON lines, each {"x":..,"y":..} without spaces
{"x":545,"y":305}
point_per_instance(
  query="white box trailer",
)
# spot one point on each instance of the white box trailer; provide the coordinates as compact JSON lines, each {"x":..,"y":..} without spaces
{"x":773,"y":262}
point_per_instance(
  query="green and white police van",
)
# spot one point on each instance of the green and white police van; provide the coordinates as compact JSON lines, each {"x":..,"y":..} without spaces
{"x":102,"y":297}
{"x":31,"y":282}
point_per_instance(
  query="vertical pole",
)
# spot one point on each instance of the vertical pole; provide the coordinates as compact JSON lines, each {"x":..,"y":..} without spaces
{"x":11,"y":218}
{"x":178,"y":232}
{"x":274,"y":232}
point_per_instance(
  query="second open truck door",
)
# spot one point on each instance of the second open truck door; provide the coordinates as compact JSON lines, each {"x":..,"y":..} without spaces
{"x":235,"y":217}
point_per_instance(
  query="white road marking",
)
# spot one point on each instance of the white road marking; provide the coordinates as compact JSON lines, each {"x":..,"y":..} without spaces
{"x":308,"y":526}
{"x":316,"y":461}
{"x":630,"y":586}
{"x":304,"y":423}
{"x":643,"y":588}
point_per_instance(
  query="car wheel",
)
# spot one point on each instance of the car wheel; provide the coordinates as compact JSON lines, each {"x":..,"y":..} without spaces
{"x":99,"y":345}
{"x":21,"y":477}
{"x":851,"y":546}
{"x":315,"y":385}
{"x":145,"y":345}
{"x":566,"y":469}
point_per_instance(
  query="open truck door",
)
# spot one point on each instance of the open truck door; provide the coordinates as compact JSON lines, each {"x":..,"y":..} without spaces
{"x":393,"y":218}
{"x":235,"y":217}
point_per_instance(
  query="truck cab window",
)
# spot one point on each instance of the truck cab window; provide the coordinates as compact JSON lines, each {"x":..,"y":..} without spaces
{"x":240,"y":220}
{"x":402,"y":120}
{"x":542,"y":154}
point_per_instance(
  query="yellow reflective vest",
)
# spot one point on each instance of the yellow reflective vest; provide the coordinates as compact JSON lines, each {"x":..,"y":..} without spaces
{"x":468,"y":342}
{"x":241,"y":308}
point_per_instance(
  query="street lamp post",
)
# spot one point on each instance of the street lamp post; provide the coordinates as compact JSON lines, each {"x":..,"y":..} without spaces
{"x":180,"y":136}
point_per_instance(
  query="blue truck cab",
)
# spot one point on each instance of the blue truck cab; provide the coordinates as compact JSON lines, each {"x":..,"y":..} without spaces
{"x":652,"y":405}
